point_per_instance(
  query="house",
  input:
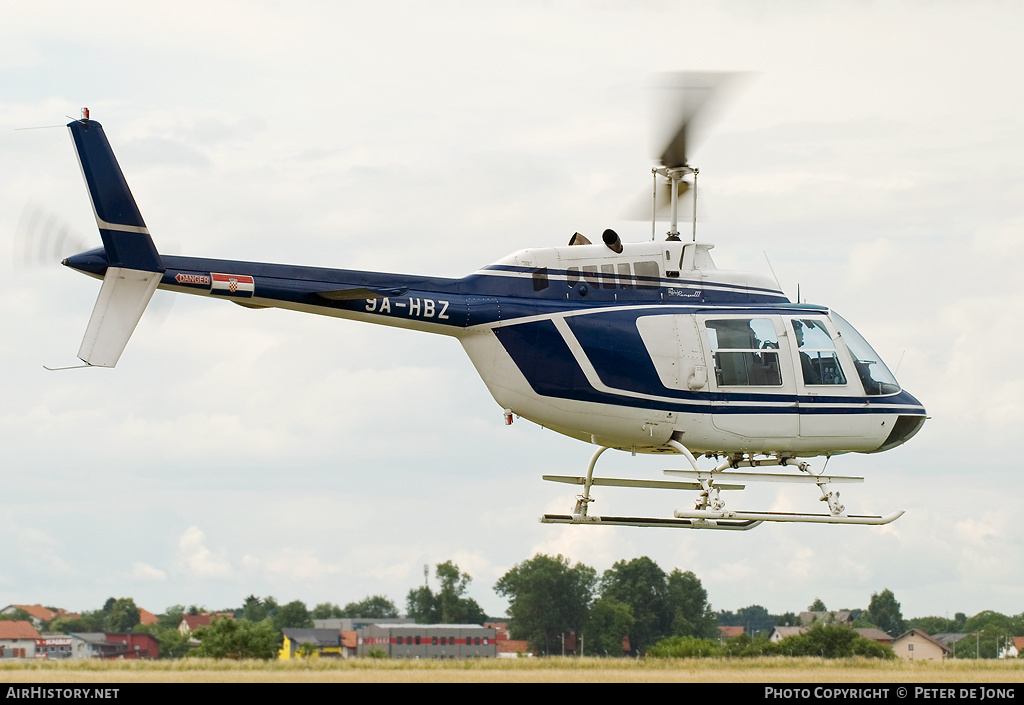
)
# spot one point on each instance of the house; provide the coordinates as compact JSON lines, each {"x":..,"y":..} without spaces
{"x":327,"y":642}
{"x":875,"y":635}
{"x":780,"y":633}
{"x":349,"y":643}
{"x":147,"y":617}
{"x":39,"y":614}
{"x":17,"y":639}
{"x":729,"y":632}
{"x":915,"y":645}
{"x":190,"y":622}
{"x":1012,"y":648}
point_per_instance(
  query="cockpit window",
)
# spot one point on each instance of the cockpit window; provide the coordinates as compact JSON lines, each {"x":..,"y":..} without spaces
{"x":873,"y":373}
{"x":818,"y":358}
{"x":745,"y":352}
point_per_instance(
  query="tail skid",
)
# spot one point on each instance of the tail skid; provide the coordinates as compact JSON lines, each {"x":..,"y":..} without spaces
{"x":134,"y":267}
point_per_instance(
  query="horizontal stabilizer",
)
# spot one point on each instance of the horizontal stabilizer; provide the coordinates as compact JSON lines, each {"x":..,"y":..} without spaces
{"x":123,"y":298}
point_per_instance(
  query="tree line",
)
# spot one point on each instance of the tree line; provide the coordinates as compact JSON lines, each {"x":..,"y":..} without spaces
{"x":633,"y":608}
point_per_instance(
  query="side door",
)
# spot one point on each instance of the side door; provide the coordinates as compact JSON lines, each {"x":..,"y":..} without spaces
{"x":831,"y":399}
{"x":750,"y":375}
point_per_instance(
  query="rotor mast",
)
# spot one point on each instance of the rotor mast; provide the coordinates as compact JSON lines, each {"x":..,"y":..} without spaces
{"x":684,"y":96}
{"x":675,"y":177}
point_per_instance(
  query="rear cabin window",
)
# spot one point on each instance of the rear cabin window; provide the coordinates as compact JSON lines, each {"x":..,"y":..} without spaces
{"x":608,"y":274}
{"x":745,"y":352}
{"x":818,"y":359}
{"x":647,"y":275}
{"x":625,"y":277}
{"x":540,"y":279}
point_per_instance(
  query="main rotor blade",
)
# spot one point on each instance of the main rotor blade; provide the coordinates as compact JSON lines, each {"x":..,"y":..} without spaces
{"x":682,"y":98}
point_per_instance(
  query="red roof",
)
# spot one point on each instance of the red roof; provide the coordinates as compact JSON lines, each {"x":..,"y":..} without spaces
{"x":39,"y":612}
{"x":729,"y":632}
{"x":194,"y":621}
{"x":17,"y":629}
{"x":147,"y":617}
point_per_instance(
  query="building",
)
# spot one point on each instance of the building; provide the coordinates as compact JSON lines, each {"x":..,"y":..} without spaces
{"x":86,"y":645}
{"x":54,"y":646}
{"x":729,"y":632}
{"x":17,"y":639}
{"x":327,"y":642}
{"x":508,"y":648}
{"x":147,"y":617}
{"x":134,"y":646}
{"x":190,"y":622}
{"x":875,"y":635}
{"x":429,"y":640}
{"x":915,"y":645}
{"x":39,"y":614}
{"x":93,"y":645}
{"x":1011,"y":648}
{"x":780,"y":633}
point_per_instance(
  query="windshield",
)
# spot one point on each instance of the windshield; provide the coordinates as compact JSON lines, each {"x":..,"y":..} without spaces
{"x":872,"y":371}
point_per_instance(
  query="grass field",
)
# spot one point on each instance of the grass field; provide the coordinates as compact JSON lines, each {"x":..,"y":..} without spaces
{"x":560,"y":670}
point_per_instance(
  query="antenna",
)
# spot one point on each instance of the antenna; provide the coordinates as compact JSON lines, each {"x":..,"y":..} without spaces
{"x":765,"y":253}
{"x":426,"y":575}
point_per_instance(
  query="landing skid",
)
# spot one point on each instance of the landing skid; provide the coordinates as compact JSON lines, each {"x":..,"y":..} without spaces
{"x":742,"y":525}
{"x":709,"y":510}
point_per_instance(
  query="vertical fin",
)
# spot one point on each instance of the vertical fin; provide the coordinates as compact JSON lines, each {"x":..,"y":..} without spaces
{"x":134,"y":268}
{"x":125,"y":236}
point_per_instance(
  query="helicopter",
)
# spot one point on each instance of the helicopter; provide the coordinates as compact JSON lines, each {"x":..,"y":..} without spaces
{"x":645,"y":347}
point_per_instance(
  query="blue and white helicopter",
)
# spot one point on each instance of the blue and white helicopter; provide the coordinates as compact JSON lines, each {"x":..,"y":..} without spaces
{"x":645,"y":347}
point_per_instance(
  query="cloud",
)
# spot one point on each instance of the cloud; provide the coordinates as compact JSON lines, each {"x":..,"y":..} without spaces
{"x":197,"y":561}
{"x":143,"y":571}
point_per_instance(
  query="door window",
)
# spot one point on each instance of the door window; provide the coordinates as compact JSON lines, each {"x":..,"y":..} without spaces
{"x":818,"y":360}
{"x":746,"y":352}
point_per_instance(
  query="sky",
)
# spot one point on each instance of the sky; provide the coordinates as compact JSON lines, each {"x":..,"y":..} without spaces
{"x":871,"y":153}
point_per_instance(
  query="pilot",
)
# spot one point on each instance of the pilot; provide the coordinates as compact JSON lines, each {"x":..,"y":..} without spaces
{"x":811,"y":375}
